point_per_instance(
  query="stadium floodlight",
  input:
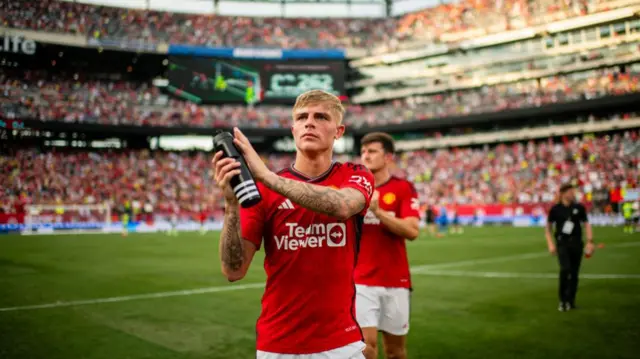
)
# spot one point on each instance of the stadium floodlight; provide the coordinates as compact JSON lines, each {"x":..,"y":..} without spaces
{"x":66,"y":219}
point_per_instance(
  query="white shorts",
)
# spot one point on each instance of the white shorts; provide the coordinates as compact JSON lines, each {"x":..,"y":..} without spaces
{"x":384,"y":308}
{"x":350,"y":351}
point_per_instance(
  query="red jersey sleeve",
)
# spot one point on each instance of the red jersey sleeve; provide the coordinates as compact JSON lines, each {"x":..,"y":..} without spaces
{"x":360,"y":178}
{"x":409,"y":205}
{"x":252,"y":220}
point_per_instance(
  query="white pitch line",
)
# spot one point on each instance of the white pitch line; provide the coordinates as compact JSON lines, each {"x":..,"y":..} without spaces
{"x":626,"y":244}
{"x":429,"y":267}
{"x":523,"y":275}
{"x":422,"y":269}
{"x":126,"y":298}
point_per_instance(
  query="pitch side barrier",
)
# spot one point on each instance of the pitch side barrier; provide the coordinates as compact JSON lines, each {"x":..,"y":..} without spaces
{"x":162,"y":225}
{"x":604,"y":105}
{"x":98,"y":218}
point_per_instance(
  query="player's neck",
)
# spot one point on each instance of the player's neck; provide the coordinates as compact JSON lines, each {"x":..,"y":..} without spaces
{"x":566,"y":203}
{"x":381,"y":176}
{"x":312,"y":166}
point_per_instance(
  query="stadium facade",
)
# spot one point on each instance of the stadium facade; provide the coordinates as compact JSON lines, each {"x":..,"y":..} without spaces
{"x":556,"y":76}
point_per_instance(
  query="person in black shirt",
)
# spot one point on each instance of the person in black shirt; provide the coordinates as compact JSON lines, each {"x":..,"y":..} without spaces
{"x":430,"y":216}
{"x":566,"y":219}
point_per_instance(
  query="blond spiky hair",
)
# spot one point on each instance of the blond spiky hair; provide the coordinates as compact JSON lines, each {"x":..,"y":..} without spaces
{"x":315,"y":97}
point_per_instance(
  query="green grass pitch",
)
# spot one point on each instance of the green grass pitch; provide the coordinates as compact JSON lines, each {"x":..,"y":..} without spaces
{"x":489,"y":293}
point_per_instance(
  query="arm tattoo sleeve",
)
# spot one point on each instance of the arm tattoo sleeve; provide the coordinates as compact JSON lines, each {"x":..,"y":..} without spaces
{"x":231,"y":243}
{"x":325,"y":200}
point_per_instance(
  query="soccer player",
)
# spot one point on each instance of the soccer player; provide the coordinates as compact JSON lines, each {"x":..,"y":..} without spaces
{"x":568,"y":216}
{"x":309,"y":221}
{"x":174,"y":220}
{"x":443,"y":221}
{"x":636,"y":216}
{"x":202,"y":218}
{"x":383,"y":281}
{"x":456,"y":226}
{"x":627,"y":212}
{"x":430,"y":219}
{"x":126,"y":215}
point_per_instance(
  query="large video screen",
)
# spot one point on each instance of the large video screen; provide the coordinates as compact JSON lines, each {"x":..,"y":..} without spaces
{"x":211,"y":80}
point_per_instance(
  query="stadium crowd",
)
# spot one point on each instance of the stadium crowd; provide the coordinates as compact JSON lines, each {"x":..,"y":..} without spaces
{"x":471,"y":17}
{"x":524,"y":172}
{"x":508,"y":173}
{"x":116,"y":103}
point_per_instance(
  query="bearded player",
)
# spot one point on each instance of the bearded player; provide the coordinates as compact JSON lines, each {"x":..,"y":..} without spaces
{"x":309,"y":221}
{"x":382,"y":274}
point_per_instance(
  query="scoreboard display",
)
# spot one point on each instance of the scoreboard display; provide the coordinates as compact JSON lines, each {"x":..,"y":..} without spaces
{"x":213,"y":80}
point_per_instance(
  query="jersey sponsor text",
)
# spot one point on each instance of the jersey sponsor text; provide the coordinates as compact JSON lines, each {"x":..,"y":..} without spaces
{"x":314,"y":236}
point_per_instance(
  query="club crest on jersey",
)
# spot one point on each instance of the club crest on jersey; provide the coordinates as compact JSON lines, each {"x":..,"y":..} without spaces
{"x":389,"y":198}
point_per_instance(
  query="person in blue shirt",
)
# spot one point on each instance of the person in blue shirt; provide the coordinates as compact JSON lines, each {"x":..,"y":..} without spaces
{"x":456,"y":226}
{"x":443,"y":221}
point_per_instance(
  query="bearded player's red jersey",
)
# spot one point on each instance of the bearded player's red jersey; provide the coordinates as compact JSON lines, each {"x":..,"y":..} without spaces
{"x":383,"y":255}
{"x":308,"y":303}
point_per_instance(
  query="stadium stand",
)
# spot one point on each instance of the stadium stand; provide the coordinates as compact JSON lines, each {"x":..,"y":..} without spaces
{"x":521,"y":173}
{"x":524,"y":172}
{"x":455,"y":163}
{"x":114,"y":103}
{"x":447,"y":22}
{"x":108,"y":115}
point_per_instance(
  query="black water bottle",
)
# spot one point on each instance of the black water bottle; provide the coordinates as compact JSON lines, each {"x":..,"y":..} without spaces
{"x":244,"y":186}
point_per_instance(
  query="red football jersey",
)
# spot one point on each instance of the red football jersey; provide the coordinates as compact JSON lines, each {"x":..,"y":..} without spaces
{"x":308,"y":303}
{"x":383,"y":255}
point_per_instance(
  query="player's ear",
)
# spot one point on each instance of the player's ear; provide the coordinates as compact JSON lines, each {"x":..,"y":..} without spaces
{"x":340,"y":132}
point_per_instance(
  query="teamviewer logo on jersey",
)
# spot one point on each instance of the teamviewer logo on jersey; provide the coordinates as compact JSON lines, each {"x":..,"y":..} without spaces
{"x":318,"y":235}
{"x":337,"y":233}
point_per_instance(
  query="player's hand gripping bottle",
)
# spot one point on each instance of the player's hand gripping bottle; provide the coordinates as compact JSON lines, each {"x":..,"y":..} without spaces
{"x":244,"y":186}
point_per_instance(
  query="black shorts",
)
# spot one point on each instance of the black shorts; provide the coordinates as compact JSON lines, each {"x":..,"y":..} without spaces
{"x":615,"y":207}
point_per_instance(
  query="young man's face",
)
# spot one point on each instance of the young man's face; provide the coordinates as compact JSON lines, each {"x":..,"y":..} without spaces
{"x":315,"y":128}
{"x":569,"y":195}
{"x":374,"y":157}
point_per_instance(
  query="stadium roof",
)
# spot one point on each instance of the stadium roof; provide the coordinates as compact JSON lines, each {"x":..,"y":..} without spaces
{"x":277,"y":8}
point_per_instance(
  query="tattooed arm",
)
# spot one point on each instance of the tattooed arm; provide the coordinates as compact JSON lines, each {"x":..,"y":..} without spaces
{"x":235,"y":252}
{"x":339,"y":203}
